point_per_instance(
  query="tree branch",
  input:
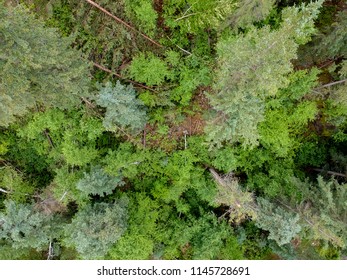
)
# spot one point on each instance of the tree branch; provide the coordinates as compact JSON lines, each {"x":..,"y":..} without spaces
{"x":123,"y":22}
{"x":121,"y":77}
{"x":3,"y":190}
{"x":333,"y":83}
{"x":329,"y":172}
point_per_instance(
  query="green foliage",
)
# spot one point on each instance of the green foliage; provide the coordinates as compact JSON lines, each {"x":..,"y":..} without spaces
{"x":122,"y":108}
{"x":37,"y":66}
{"x":253,"y":241}
{"x":241,"y":203}
{"x":138,"y":242}
{"x":249,"y":11}
{"x":193,"y":73}
{"x":96,"y":227}
{"x":64,"y":185}
{"x":252,"y":67}
{"x":149,"y":69}
{"x":202,"y":238}
{"x":311,"y":154}
{"x":282,"y":225}
{"x":124,"y":160}
{"x":24,"y":227}
{"x":132,"y":247}
{"x":97,"y":182}
{"x":332,"y":42}
{"x":71,"y":135}
{"x":17,"y":188}
{"x":61,"y":18}
{"x":188,"y":17}
{"x":273,"y":116}
{"x":324,"y":211}
{"x":143,"y":13}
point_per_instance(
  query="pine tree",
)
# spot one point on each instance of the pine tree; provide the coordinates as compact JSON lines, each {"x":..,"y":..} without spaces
{"x":323,"y":211}
{"x":36,"y":66}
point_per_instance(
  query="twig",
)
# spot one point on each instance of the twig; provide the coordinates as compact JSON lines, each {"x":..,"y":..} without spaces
{"x":62,"y":197}
{"x":121,"y":77}
{"x":185,"y":16}
{"x":329,"y":172}
{"x":183,"y":50}
{"x":122,"y":22}
{"x":50,"y":251}
{"x":333,"y":83}
{"x":50,"y":141}
{"x":185,"y":139}
{"x":144,"y":137}
{"x":4,"y":191}
{"x":85,"y":100}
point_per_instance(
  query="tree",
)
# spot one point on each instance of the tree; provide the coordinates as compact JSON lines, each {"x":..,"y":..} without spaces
{"x":14,"y":185}
{"x":249,"y":11}
{"x":24,"y":227}
{"x":332,"y":43}
{"x":323,"y":211}
{"x":282,"y":225}
{"x":96,"y":227}
{"x":36,"y":66}
{"x":72,"y":134}
{"x":123,"y":110}
{"x":98,"y":182}
{"x":252,"y":67}
{"x":241,"y":203}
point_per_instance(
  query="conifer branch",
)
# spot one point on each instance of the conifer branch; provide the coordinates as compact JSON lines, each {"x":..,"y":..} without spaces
{"x":123,"y":22}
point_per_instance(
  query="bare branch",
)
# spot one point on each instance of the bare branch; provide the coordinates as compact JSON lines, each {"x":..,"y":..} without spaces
{"x":62,"y":197}
{"x":50,"y":251}
{"x":122,"y":22}
{"x":4,"y":191}
{"x":185,"y":16}
{"x":121,"y":77}
{"x":329,"y":172}
{"x":332,"y":84}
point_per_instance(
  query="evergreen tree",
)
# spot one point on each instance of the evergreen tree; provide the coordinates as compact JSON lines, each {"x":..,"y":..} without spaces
{"x":323,"y":211}
{"x":282,"y":225}
{"x":36,"y":66}
{"x":241,"y":203}
{"x":98,"y":182}
{"x":24,"y":227}
{"x":123,"y":110}
{"x":249,"y":11}
{"x":96,"y":227}
{"x":254,"y":66}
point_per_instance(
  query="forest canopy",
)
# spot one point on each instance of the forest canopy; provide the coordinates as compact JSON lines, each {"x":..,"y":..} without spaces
{"x":173,"y":129}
